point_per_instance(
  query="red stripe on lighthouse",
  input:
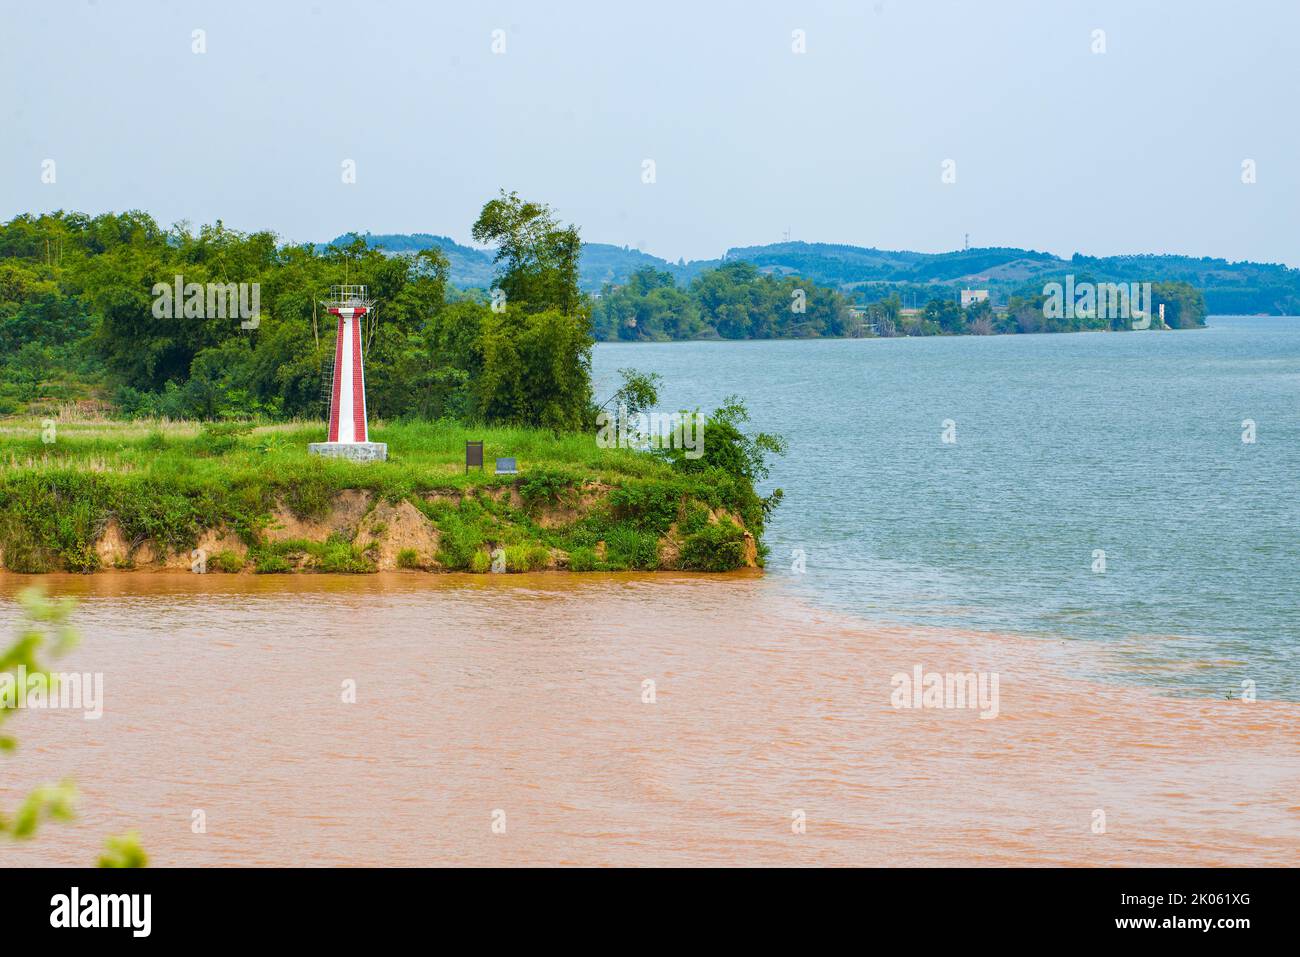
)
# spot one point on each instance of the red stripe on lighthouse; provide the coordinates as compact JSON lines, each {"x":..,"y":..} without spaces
{"x":358,"y":382}
{"x":338,"y":382}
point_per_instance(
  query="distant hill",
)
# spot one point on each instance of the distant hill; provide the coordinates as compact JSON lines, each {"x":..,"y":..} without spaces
{"x":870,"y":274}
{"x":601,"y":262}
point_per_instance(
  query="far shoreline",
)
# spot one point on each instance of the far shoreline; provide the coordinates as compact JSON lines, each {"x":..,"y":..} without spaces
{"x":1007,"y":335}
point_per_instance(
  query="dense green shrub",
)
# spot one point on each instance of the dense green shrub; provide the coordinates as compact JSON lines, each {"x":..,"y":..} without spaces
{"x":733,"y":463}
{"x":648,"y":506}
{"x":340,"y":557}
{"x":526,"y":558}
{"x":717,"y":547}
{"x":461,"y":536}
{"x":544,"y":486}
{"x":696,"y":517}
{"x":268,"y":563}
{"x":228,"y":562}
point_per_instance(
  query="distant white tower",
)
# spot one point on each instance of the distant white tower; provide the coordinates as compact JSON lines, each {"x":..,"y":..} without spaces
{"x":349,"y":434}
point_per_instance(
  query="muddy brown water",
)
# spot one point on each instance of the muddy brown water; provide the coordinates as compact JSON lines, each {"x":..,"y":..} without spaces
{"x":523,"y":700}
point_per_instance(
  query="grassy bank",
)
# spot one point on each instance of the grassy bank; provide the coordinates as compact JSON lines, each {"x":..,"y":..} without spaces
{"x":237,"y":498}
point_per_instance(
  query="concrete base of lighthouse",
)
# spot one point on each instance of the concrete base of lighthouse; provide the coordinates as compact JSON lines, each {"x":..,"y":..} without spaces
{"x":357,"y":451}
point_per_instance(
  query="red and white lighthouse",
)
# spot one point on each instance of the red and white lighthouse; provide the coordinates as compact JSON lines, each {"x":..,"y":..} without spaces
{"x":349,"y":433}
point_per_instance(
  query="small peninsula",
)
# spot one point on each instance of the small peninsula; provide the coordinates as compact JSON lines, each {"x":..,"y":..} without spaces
{"x":237,"y":499}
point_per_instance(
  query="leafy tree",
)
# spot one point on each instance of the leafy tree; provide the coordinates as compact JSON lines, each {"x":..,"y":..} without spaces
{"x":650,"y":306}
{"x":28,"y":368}
{"x":536,"y":369}
{"x":638,"y":393}
{"x":947,"y":315}
{"x":886,"y":315}
{"x":1184,"y":304}
{"x":1025,"y":314}
{"x":537,"y":257}
{"x":979,"y":318}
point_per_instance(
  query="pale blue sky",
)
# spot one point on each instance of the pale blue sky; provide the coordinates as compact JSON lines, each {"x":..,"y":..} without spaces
{"x":1056,"y":148}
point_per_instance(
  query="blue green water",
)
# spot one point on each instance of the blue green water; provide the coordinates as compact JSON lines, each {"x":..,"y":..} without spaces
{"x":1128,"y":443}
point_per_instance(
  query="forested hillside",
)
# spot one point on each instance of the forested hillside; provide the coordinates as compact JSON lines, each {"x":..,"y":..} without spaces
{"x":869,"y":275}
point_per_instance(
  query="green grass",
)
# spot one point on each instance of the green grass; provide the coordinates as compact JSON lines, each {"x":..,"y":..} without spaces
{"x":267,"y":564}
{"x":228,"y":562}
{"x":527,"y":558}
{"x":583,"y":560}
{"x":335,"y":554}
{"x":167,"y":483}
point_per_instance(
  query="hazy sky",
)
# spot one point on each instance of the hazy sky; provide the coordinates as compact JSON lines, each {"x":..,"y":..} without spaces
{"x":1138,"y":149}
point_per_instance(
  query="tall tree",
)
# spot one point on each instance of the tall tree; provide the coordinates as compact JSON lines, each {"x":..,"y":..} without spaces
{"x":537,"y":256}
